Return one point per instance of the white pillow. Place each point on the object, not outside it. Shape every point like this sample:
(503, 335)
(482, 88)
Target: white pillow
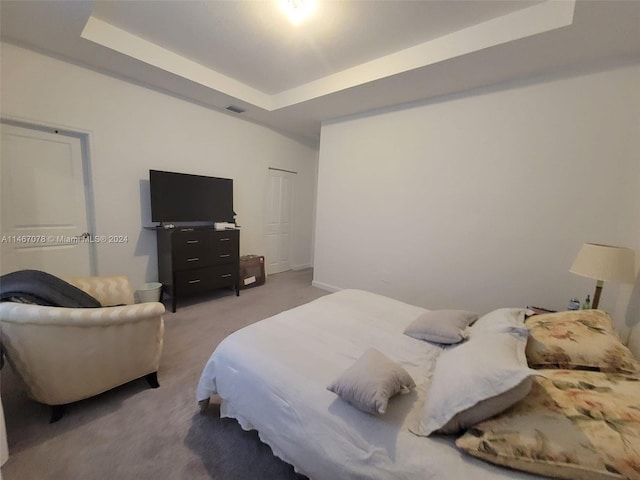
(500, 320)
(441, 326)
(371, 381)
(475, 381)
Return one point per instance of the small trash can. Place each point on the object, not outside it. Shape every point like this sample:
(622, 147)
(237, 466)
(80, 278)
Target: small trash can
(150, 292)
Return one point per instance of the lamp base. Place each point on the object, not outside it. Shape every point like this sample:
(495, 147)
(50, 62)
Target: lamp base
(596, 294)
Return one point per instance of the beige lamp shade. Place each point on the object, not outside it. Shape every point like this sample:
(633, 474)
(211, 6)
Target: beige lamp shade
(605, 262)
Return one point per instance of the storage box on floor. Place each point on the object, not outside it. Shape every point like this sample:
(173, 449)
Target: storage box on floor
(251, 271)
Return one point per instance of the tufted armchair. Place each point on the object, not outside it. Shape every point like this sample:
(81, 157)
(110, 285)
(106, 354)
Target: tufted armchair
(68, 354)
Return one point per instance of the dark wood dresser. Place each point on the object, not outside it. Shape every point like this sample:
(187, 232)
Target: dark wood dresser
(197, 260)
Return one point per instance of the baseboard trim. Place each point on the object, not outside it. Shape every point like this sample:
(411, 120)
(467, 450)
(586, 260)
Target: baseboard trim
(325, 286)
(301, 267)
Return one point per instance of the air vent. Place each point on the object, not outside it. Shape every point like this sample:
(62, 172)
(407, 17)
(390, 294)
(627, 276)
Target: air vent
(234, 109)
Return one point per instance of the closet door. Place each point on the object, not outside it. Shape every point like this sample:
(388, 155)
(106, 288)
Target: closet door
(279, 227)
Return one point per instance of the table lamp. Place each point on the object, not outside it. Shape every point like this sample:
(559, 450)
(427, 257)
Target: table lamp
(604, 263)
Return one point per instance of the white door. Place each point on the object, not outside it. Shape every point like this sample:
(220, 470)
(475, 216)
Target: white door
(278, 227)
(44, 207)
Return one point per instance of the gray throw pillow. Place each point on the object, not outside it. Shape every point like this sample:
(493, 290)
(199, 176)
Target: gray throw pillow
(441, 326)
(371, 381)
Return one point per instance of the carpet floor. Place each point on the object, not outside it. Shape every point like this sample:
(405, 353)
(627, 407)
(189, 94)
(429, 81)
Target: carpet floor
(135, 432)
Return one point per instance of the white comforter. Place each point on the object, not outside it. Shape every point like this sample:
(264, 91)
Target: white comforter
(272, 376)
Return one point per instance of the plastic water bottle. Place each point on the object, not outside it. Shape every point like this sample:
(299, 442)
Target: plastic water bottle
(574, 304)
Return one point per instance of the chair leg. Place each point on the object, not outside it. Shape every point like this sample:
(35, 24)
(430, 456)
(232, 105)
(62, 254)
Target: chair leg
(57, 412)
(152, 379)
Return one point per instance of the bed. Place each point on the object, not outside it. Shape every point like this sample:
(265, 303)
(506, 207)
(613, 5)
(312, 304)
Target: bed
(272, 377)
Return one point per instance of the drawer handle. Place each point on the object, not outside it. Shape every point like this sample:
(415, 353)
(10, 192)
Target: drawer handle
(194, 281)
(193, 241)
(226, 275)
(225, 255)
(225, 239)
(194, 259)
(186, 229)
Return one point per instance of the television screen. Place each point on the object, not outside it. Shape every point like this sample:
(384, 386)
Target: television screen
(180, 197)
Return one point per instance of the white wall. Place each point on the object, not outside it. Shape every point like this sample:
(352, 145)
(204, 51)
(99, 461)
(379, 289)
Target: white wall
(483, 200)
(133, 129)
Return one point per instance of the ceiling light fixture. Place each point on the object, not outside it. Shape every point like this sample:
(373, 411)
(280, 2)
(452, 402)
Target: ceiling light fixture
(297, 10)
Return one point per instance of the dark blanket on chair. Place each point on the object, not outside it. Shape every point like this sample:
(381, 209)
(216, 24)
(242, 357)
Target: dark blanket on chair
(41, 288)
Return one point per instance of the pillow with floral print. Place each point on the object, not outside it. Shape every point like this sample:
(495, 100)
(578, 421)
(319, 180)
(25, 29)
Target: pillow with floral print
(583, 339)
(573, 424)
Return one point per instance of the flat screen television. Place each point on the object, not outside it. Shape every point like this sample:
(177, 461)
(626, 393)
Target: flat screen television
(181, 197)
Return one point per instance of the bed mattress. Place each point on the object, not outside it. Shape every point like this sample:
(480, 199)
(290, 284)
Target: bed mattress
(272, 375)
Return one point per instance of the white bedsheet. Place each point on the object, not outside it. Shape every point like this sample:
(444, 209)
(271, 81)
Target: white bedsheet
(272, 376)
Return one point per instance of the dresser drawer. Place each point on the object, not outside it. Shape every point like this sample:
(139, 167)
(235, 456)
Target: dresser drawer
(204, 248)
(191, 248)
(196, 256)
(225, 246)
(228, 255)
(189, 240)
(203, 279)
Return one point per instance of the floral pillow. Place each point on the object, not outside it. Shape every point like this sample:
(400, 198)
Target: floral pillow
(583, 339)
(572, 424)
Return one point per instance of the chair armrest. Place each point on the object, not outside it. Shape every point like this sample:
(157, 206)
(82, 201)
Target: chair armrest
(108, 290)
(79, 317)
